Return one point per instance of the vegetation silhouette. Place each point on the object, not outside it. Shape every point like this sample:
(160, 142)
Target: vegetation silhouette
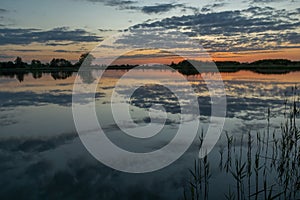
(60, 68)
(264, 165)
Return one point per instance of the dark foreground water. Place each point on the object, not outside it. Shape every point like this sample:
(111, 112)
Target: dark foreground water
(42, 157)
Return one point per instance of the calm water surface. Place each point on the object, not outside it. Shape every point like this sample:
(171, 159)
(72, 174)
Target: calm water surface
(41, 156)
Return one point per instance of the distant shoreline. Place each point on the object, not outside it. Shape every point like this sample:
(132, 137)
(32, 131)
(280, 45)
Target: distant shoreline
(267, 66)
(227, 69)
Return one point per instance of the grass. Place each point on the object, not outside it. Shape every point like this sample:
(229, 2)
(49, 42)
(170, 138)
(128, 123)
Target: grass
(267, 167)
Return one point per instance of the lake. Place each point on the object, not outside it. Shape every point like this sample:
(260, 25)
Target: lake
(42, 157)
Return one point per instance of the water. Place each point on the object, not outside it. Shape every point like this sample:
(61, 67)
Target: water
(42, 157)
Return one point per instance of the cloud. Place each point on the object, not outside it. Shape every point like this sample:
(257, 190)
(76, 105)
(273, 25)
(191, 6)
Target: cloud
(120, 4)
(160, 8)
(210, 7)
(205, 9)
(57, 35)
(107, 30)
(59, 43)
(254, 28)
(2, 10)
(146, 9)
(65, 51)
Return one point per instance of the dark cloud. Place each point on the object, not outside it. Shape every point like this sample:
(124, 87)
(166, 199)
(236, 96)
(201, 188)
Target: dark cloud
(210, 7)
(160, 8)
(218, 5)
(60, 51)
(205, 9)
(106, 30)
(120, 4)
(54, 36)
(255, 28)
(65, 51)
(2, 10)
(147, 9)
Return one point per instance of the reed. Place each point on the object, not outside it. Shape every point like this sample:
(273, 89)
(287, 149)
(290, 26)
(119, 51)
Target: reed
(199, 180)
(269, 166)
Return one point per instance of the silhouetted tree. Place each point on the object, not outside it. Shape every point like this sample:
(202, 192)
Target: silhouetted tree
(60, 62)
(36, 74)
(270, 62)
(8, 64)
(86, 59)
(61, 74)
(19, 63)
(36, 63)
(20, 76)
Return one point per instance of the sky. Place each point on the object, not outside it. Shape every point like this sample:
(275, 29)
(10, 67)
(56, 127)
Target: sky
(241, 30)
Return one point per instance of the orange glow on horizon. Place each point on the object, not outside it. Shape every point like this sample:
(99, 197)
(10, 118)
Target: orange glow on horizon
(46, 54)
(250, 56)
(291, 54)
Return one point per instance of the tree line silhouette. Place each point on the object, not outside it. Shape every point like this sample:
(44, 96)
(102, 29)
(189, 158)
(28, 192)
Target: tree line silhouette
(18, 63)
(86, 59)
(60, 68)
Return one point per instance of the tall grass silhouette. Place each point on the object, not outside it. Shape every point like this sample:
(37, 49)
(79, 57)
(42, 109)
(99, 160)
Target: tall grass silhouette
(264, 166)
